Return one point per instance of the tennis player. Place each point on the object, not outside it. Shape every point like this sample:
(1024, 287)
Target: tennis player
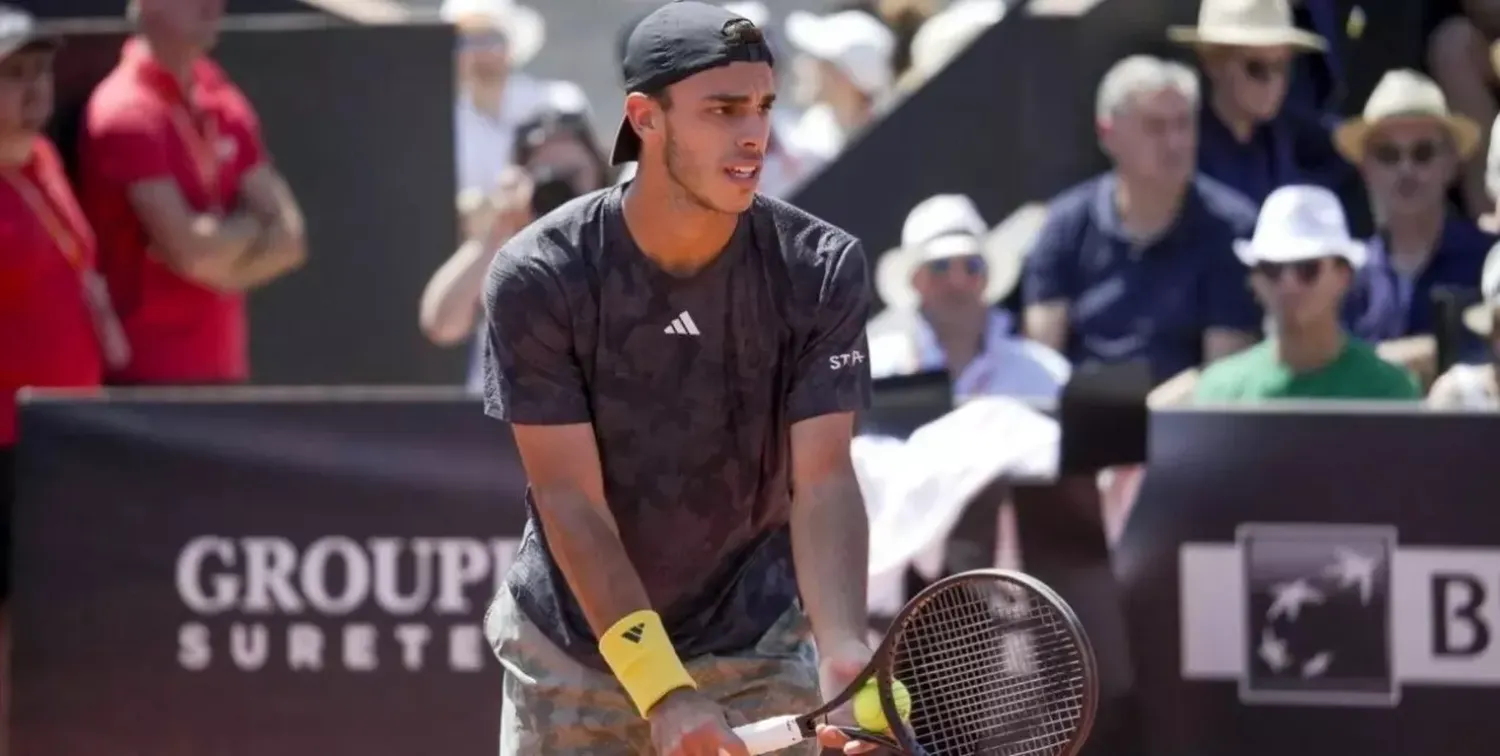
(680, 360)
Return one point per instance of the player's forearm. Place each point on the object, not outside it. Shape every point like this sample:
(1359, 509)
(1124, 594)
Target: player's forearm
(830, 545)
(586, 546)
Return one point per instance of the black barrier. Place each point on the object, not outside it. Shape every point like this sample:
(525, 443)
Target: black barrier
(1315, 581)
(300, 578)
(303, 572)
(360, 119)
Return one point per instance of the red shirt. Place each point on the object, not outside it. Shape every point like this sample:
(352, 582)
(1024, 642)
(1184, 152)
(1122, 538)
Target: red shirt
(139, 126)
(47, 335)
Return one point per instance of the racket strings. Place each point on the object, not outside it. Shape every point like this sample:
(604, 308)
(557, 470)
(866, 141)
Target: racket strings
(991, 671)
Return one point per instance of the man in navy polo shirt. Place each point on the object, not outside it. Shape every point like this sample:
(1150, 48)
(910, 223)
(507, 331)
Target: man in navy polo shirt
(1409, 148)
(1138, 263)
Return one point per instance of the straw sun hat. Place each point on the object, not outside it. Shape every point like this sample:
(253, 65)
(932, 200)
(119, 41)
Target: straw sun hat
(1247, 23)
(1405, 95)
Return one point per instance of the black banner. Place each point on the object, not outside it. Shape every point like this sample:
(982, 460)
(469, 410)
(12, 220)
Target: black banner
(1316, 582)
(296, 578)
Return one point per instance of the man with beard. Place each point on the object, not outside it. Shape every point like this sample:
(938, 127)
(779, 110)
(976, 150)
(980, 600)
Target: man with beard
(680, 361)
(1410, 148)
(1302, 261)
(190, 212)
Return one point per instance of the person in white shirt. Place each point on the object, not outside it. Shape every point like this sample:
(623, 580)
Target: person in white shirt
(846, 74)
(1476, 387)
(496, 38)
(940, 289)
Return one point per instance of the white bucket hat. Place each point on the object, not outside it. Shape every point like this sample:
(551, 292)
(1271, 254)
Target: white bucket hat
(945, 35)
(858, 43)
(525, 31)
(1247, 23)
(1405, 94)
(754, 12)
(1300, 223)
(1480, 318)
(947, 226)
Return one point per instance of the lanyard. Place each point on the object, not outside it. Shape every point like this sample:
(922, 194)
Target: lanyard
(62, 235)
(202, 147)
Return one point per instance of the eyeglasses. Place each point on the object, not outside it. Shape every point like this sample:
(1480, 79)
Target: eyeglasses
(1305, 271)
(1264, 69)
(972, 265)
(1390, 154)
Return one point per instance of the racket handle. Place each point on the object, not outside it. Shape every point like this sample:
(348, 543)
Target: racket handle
(769, 735)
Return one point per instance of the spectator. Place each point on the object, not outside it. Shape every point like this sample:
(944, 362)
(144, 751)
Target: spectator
(1303, 261)
(1136, 263)
(1458, 55)
(945, 35)
(905, 18)
(940, 290)
(495, 39)
(554, 158)
(1246, 50)
(845, 73)
(1409, 149)
(1476, 387)
(189, 211)
(56, 324)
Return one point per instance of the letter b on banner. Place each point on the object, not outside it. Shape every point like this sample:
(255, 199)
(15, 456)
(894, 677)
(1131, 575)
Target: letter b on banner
(1458, 629)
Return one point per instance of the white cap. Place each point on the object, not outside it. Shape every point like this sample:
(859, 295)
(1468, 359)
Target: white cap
(754, 12)
(1300, 223)
(858, 43)
(947, 225)
(950, 32)
(525, 31)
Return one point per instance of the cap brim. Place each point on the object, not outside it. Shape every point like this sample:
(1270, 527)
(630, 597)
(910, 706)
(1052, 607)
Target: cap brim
(627, 145)
(1353, 251)
(32, 42)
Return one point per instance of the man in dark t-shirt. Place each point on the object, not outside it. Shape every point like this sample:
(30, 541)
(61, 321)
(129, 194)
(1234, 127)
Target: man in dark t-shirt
(680, 360)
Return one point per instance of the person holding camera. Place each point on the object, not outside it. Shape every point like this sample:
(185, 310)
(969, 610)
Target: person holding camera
(555, 158)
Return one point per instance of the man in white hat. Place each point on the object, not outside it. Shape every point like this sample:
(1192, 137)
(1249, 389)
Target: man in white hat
(1477, 386)
(1303, 261)
(847, 69)
(1246, 49)
(1136, 264)
(1409, 149)
(940, 288)
(495, 39)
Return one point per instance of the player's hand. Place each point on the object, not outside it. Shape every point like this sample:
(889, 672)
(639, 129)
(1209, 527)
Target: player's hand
(837, 668)
(686, 723)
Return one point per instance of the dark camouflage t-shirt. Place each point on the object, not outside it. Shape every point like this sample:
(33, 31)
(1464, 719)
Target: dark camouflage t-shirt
(692, 385)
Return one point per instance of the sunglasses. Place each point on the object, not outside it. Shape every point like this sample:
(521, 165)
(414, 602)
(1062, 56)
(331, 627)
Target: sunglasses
(1304, 271)
(971, 265)
(1263, 70)
(1391, 154)
(485, 40)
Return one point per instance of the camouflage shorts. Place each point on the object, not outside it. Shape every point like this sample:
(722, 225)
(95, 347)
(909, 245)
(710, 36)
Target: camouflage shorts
(555, 706)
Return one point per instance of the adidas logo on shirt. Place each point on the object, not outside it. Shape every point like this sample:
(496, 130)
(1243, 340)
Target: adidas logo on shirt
(682, 325)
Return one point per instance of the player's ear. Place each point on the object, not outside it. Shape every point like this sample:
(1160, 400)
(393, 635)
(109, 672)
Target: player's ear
(643, 112)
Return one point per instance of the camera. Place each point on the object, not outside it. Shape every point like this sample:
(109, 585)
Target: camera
(550, 190)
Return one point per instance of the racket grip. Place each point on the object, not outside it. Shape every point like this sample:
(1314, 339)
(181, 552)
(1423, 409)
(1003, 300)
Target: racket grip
(769, 735)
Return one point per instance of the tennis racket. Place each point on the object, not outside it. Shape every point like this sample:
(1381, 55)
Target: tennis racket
(994, 662)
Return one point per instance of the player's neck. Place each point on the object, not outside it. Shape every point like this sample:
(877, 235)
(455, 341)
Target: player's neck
(677, 234)
(16, 148)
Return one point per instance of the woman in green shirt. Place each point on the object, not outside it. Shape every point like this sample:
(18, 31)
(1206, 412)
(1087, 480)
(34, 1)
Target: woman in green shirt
(1302, 261)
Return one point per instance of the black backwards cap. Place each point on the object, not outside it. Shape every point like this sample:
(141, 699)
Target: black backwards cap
(678, 40)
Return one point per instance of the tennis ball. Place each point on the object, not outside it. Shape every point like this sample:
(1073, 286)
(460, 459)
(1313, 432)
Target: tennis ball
(867, 711)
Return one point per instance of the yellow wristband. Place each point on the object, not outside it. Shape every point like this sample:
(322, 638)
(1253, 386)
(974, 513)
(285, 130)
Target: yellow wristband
(640, 654)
